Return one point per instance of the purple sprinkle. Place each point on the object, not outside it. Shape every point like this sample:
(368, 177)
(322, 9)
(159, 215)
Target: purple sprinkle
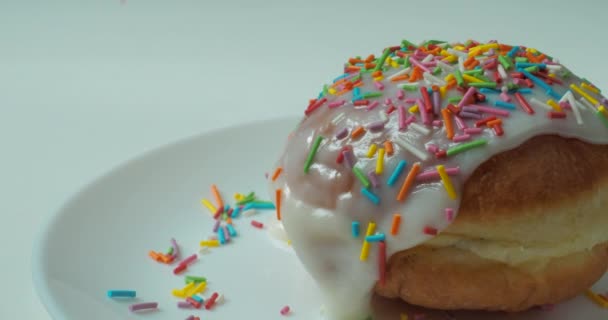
(460, 123)
(216, 225)
(226, 233)
(473, 130)
(184, 305)
(425, 116)
(432, 174)
(604, 101)
(495, 111)
(373, 178)
(376, 126)
(467, 96)
(372, 105)
(379, 85)
(436, 102)
(449, 214)
(349, 158)
(470, 109)
(437, 123)
(432, 148)
(409, 120)
(461, 137)
(400, 94)
(505, 97)
(401, 112)
(464, 114)
(175, 254)
(190, 317)
(336, 104)
(143, 306)
(342, 134)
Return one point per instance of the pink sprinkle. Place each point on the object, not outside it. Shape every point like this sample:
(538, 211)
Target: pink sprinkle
(430, 231)
(431, 148)
(420, 65)
(437, 123)
(473, 130)
(425, 116)
(372, 105)
(379, 85)
(470, 115)
(519, 82)
(432, 174)
(400, 94)
(184, 305)
(188, 260)
(409, 120)
(143, 306)
(505, 97)
(226, 233)
(460, 123)
(336, 104)
(342, 134)
(461, 137)
(285, 310)
(410, 100)
(495, 111)
(401, 112)
(216, 226)
(388, 101)
(449, 214)
(467, 96)
(257, 224)
(565, 105)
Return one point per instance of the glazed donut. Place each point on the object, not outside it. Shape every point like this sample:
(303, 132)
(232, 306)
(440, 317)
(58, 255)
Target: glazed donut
(452, 175)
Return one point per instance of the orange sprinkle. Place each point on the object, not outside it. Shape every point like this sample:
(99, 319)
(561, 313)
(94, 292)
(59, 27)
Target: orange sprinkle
(370, 65)
(388, 146)
(504, 47)
(353, 69)
(396, 224)
(277, 173)
(469, 60)
(278, 202)
(451, 84)
(154, 255)
(229, 220)
(165, 259)
(472, 65)
(370, 58)
(358, 83)
(400, 78)
(493, 122)
(447, 122)
(409, 180)
(359, 131)
(354, 60)
(217, 196)
(376, 73)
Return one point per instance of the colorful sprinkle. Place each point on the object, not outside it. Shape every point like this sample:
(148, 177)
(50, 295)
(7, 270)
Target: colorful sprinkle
(466, 146)
(371, 228)
(447, 182)
(313, 152)
(371, 196)
(355, 229)
(121, 293)
(409, 180)
(285, 310)
(395, 224)
(143, 306)
(396, 173)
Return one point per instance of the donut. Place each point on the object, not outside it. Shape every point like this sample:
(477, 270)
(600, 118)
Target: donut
(450, 175)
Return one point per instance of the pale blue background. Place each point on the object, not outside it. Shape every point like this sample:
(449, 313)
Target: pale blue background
(85, 85)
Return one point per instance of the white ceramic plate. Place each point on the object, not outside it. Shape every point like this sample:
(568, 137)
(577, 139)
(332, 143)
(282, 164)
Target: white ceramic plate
(100, 239)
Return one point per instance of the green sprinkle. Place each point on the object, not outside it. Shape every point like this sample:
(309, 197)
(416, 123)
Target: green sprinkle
(406, 44)
(170, 251)
(466, 146)
(565, 74)
(194, 279)
(512, 86)
(453, 100)
(364, 181)
(325, 90)
(313, 151)
(532, 69)
(436, 71)
(505, 61)
(248, 198)
(491, 85)
(484, 78)
(372, 95)
(521, 59)
(399, 60)
(409, 87)
(601, 116)
(382, 59)
(406, 63)
(474, 72)
(458, 76)
(435, 42)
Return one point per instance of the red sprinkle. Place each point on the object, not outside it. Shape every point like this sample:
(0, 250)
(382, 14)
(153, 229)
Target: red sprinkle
(498, 130)
(441, 154)
(453, 109)
(427, 99)
(314, 106)
(285, 310)
(483, 121)
(211, 301)
(180, 268)
(390, 109)
(382, 262)
(523, 103)
(361, 102)
(218, 212)
(556, 115)
(193, 302)
(257, 224)
(430, 231)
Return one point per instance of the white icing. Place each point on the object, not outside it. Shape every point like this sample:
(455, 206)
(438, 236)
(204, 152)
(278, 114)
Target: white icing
(318, 207)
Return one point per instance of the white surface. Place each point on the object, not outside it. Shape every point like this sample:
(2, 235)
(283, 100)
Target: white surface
(99, 240)
(85, 86)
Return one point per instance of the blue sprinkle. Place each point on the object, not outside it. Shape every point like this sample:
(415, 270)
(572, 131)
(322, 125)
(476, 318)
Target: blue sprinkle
(220, 236)
(524, 90)
(504, 105)
(372, 197)
(236, 211)
(121, 294)
(488, 90)
(375, 238)
(257, 205)
(231, 230)
(356, 94)
(355, 229)
(554, 94)
(197, 298)
(226, 207)
(513, 51)
(536, 80)
(529, 64)
(395, 175)
(341, 77)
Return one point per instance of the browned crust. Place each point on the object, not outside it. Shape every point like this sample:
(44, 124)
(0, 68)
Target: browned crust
(513, 191)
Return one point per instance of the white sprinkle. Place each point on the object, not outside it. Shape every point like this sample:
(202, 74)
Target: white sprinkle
(249, 213)
(396, 74)
(338, 118)
(554, 67)
(421, 129)
(458, 53)
(587, 104)
(444, 66)
(502, 72)
(461, 64)
(427, 58)
(220, 298)
(415, 151)
(383, 116)
(575, 107)
(540, 104)
(432, 79)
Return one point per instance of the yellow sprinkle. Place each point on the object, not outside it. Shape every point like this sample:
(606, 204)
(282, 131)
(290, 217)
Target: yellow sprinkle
(209, 206)
(474, 52)
(590, 88)
(552, 75)
(532, 50)
(196, 290)
(210, 243)
(554, 105)
(603, 110)
(395, 65)
(584, 94)
(449, 77)
(442, 91)
(470, 78)
(447, 183)
(413, 109)
(596, 298)
(371, 227)
(380, 161)
(379, 78)
(372, 150)
(403, 316)
(459, 48)
(238, 196)
(444, 53)
(332, 91)
(181, 293)
(451, 58)
(389, 60)
(289, 242)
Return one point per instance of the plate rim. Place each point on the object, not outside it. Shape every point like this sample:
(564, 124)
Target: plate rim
(38, 272)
